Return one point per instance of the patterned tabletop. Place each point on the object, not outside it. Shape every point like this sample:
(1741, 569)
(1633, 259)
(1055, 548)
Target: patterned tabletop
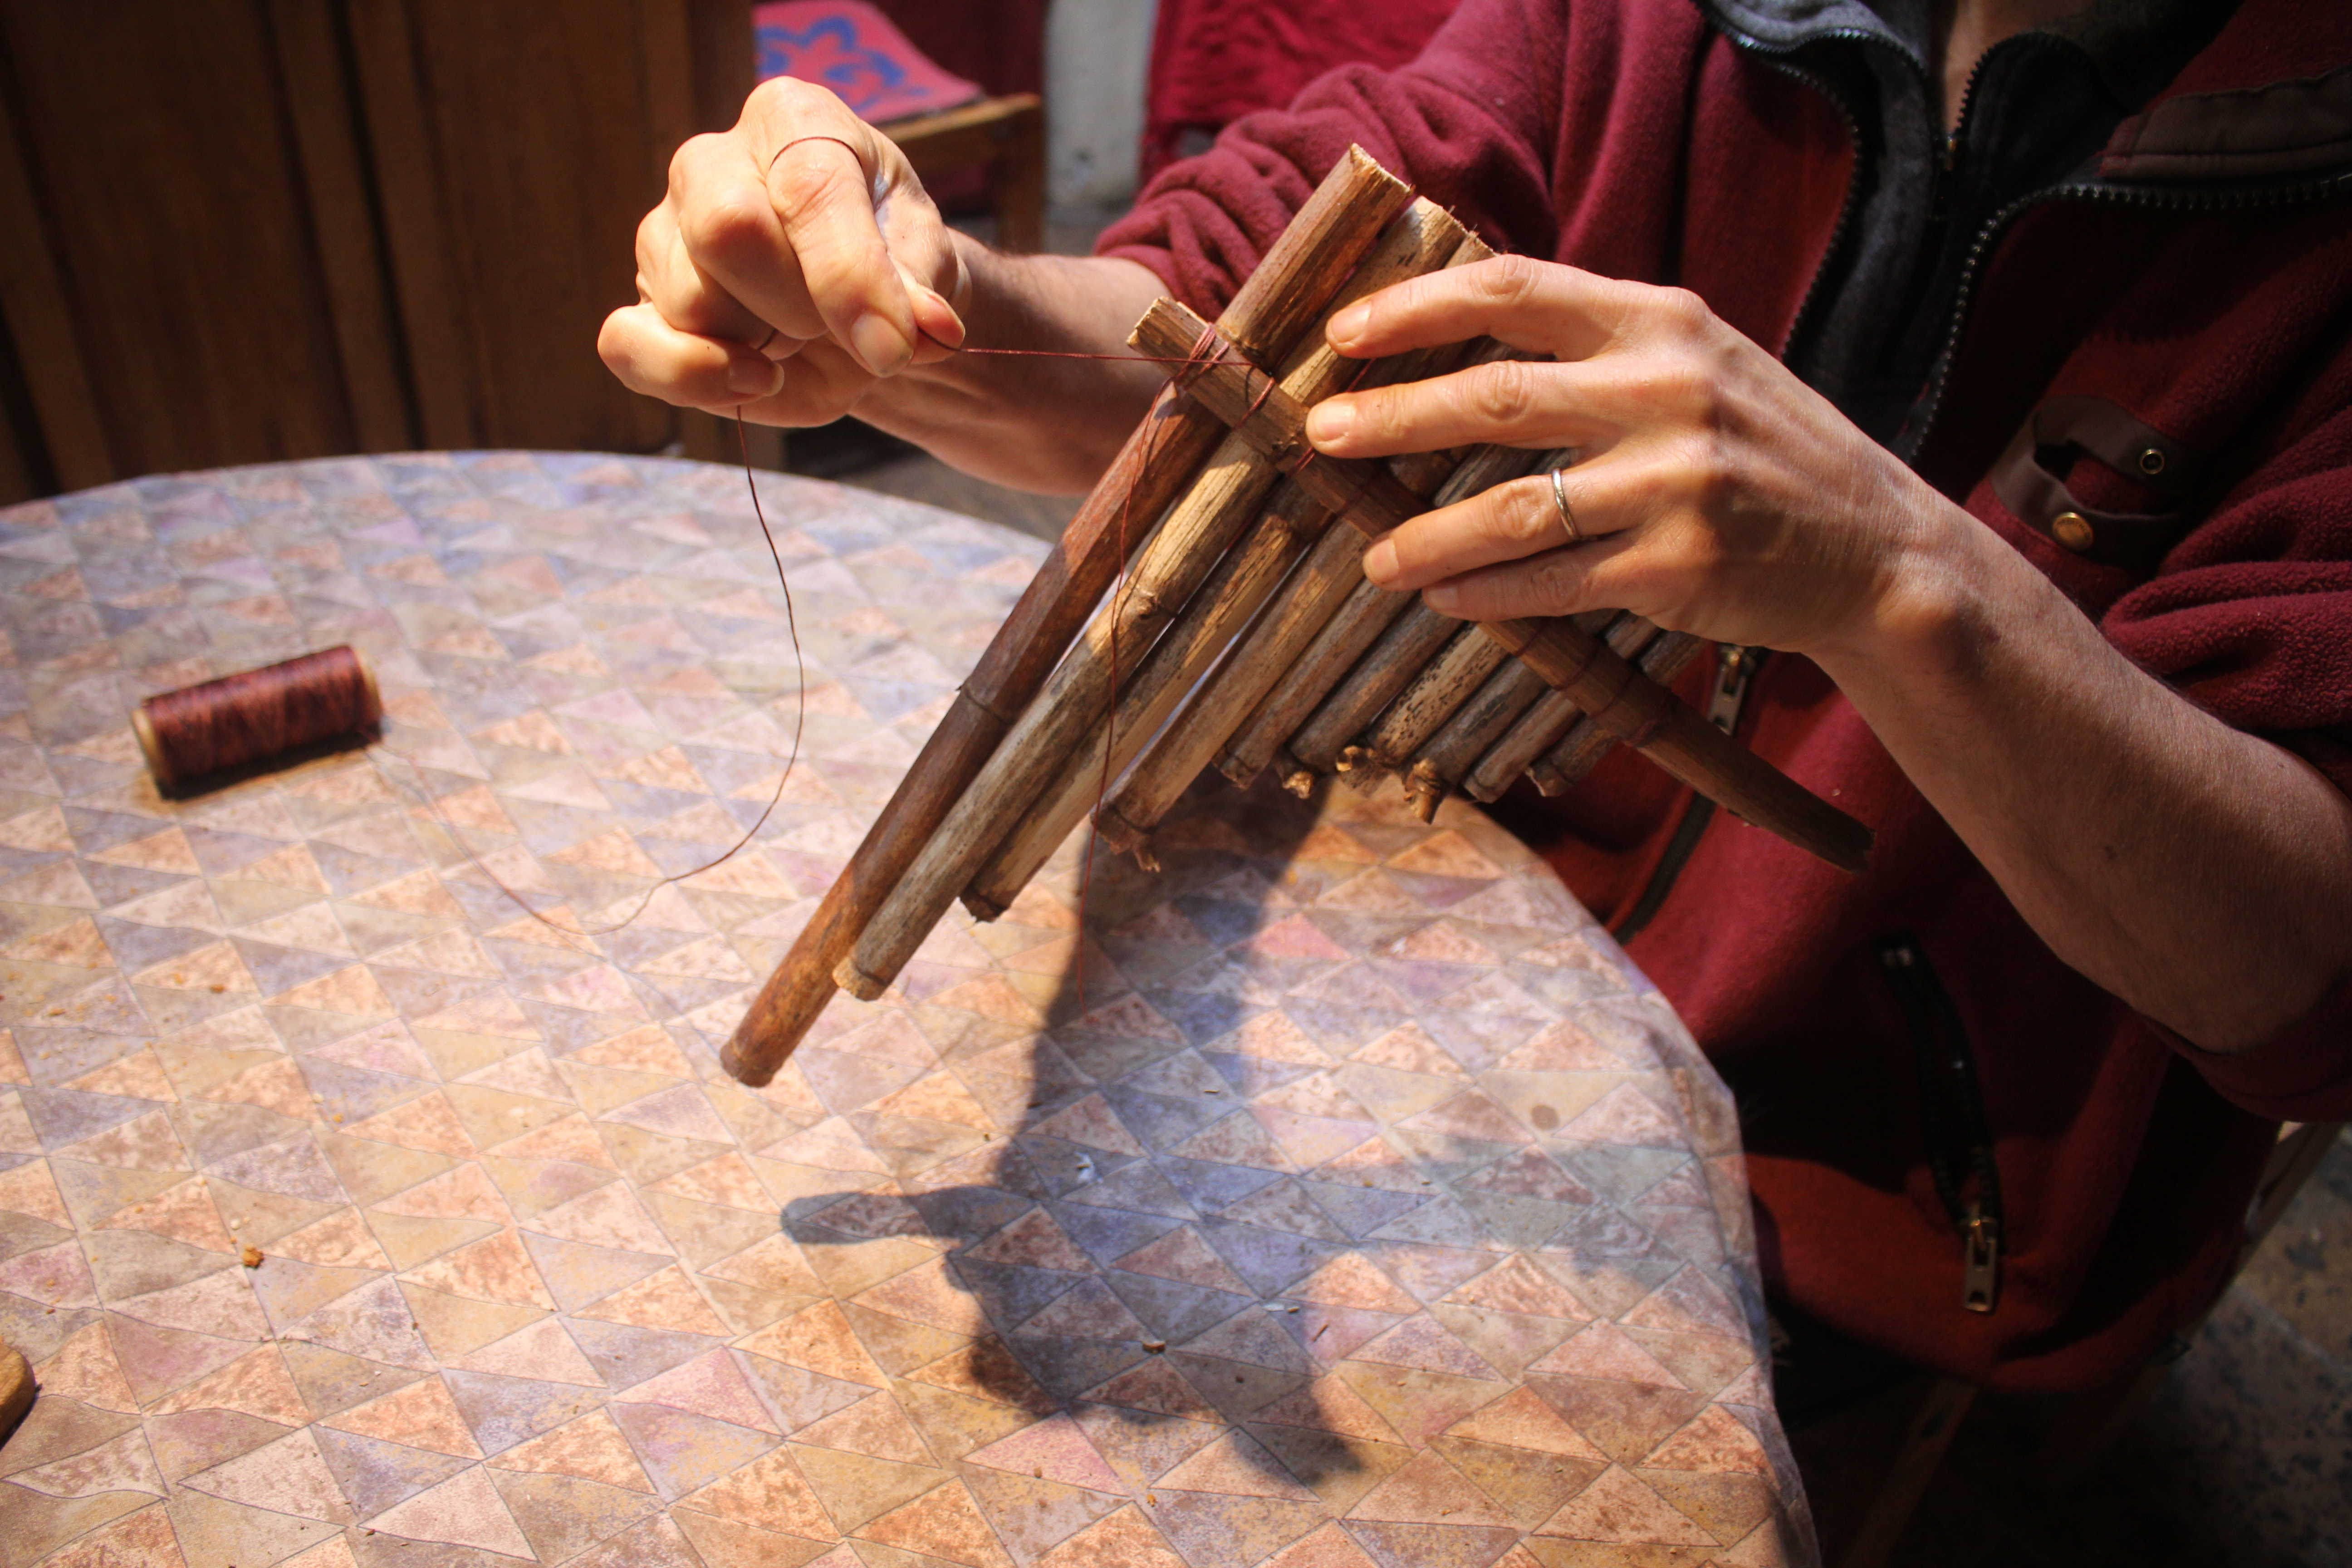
(1351, 1202)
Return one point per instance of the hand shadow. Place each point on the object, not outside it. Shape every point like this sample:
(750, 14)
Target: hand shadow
(1090, 1255)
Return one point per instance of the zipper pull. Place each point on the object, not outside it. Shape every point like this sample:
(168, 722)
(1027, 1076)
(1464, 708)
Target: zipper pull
(1738, 668)
(1980, 1261)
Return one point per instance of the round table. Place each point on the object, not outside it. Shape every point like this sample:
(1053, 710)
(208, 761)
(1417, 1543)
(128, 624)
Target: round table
(1339, 1196)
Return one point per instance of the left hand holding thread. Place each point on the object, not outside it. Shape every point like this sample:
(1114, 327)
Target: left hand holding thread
(1719, 495)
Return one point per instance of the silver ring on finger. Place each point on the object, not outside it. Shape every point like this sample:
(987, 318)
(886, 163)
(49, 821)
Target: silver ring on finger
(1560, 499)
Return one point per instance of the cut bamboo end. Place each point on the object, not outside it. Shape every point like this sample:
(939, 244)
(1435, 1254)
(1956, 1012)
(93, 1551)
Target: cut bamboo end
(745, 1062)
(857, 983)
(1351, 758)
(1122, 837)
(1424, 791)
(1300, 782)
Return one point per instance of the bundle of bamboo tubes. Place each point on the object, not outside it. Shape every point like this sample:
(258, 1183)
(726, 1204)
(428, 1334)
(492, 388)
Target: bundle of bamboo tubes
(1244, 634)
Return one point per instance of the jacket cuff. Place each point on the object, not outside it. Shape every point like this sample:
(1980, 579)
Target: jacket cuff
(2302, 1073)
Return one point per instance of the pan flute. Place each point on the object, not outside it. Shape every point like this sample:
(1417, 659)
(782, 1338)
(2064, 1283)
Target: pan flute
(1243, 634)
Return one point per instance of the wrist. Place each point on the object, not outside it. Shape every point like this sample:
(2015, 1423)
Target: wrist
(1931, 609)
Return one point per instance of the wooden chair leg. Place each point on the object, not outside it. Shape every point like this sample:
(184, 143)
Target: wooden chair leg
(1020, 182)
(1916, 1462)
(2300, 1149)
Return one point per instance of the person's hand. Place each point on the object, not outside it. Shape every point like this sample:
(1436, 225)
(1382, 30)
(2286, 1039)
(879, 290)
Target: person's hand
(794, 261)
(1718, 494)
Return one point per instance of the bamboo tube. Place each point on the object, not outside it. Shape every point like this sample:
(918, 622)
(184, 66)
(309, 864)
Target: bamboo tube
(1436, 696)
(1332, 232)
(1449, 755)
(1042, 743)
(1240, 581)
(1313, 649)
(1551, 718)
(1390, 665)
(1617, 695)
(1237, 587)
(1305, 602)
(1581, 750)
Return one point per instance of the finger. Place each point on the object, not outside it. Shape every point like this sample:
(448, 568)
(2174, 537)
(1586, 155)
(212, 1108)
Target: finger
(1508, 523)
(1607, 496)
(929, 263)
(1529, 304)
(939, 331)
(820, 384)
(728, 245)
(1557, 582)
(651, 356)
(824, 193)
(687, 298)
(1513, 403)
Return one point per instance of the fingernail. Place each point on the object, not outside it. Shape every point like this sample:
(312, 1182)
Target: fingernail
(754, 377)
(1380, 562)
(880, 346)
(1329, 422)
(1442, 598)
(1350, 324)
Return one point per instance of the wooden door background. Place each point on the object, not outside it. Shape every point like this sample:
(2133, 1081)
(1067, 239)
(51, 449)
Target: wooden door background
(238, 231)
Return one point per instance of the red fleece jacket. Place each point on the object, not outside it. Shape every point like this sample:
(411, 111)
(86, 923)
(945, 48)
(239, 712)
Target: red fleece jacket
(2195, 297)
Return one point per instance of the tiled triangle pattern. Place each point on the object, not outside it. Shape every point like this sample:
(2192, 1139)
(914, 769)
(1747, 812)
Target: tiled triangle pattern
(1362, 1209)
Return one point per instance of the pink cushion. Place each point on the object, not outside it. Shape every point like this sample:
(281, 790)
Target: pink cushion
(853, 50)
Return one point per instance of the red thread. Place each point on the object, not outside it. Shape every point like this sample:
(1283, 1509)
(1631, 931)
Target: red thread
(800, 722)
(256, 715)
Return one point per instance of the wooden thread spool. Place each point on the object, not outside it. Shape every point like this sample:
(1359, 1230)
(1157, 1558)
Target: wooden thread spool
(256, 714)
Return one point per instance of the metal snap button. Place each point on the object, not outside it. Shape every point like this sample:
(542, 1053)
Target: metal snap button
(2072, 529)
(2151, 462)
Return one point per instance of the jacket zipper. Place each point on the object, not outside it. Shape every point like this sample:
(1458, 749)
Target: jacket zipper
(1958, 1135)
(2225, 200)
(1736, 669)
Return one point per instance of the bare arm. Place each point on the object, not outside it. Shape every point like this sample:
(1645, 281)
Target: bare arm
(1035, 424)
(2199, 873)
(797, 271)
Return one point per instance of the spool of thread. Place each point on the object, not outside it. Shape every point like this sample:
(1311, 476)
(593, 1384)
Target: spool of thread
(258, 714)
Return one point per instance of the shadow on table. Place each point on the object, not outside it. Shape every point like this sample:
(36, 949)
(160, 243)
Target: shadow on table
(1160, 1285)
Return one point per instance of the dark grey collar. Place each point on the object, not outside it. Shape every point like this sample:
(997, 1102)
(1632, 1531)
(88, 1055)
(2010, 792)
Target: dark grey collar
(2136, 46)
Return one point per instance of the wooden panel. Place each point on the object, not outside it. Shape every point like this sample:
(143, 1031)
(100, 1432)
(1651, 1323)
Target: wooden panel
(56, 409)
(720, 35)
(415, 224)
(154, 144)
(322, 109)
(23, 460)
(537, 120)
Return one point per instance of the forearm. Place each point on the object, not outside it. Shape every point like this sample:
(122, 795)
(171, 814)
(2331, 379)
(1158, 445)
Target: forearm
(1035, 424)
(2199, 873)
